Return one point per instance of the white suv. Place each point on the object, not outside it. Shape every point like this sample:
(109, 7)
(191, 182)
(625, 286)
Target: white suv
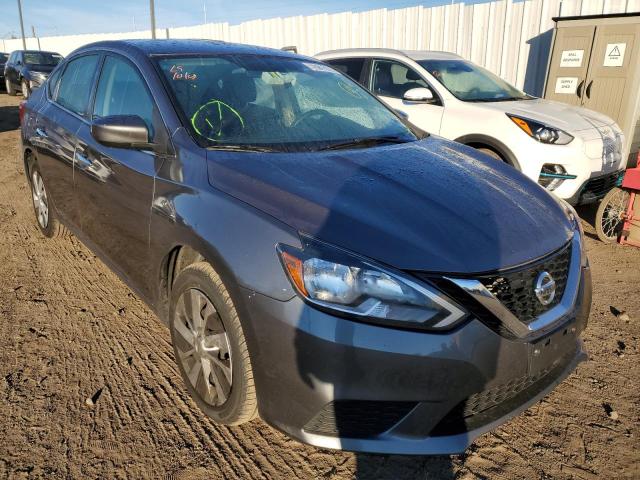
(574, 152)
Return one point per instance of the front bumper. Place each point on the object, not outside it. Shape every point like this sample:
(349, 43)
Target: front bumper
(335, 383)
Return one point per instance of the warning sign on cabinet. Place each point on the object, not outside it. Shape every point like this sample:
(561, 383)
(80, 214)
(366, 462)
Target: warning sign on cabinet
(567, 85)
(571, 58)
(614, 54)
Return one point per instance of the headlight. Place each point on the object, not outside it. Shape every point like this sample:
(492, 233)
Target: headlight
(541, 132)
(334, 280)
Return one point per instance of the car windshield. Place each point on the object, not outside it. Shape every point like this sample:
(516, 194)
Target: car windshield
(41, 58)
(4, 57)
(277, 104)
(471, 83)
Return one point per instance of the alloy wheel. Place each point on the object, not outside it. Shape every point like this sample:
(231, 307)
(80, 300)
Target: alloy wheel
(40, 201)
(202, 347)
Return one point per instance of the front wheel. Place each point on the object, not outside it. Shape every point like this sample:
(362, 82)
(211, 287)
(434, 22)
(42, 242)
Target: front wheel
(610, 215)
(25, 88)
(210, 347)
(10, 90)
(492, 153)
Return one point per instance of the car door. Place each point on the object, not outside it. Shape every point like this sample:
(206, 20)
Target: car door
(114, 186)
(57, 123)
(390, 80)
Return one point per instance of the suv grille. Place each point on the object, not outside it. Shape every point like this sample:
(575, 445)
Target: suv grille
(598, 187)
(516, 290)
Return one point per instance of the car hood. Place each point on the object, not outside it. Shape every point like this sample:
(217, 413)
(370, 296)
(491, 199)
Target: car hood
(555, 114)
(431, 205)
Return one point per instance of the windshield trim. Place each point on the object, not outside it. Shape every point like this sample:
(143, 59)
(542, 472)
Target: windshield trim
(185, 123)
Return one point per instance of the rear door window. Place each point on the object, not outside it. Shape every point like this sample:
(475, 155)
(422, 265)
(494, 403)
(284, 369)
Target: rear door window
(76, 84)
(122, 91)
(349, 66)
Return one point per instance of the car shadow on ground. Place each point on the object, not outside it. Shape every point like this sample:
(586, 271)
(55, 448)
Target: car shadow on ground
(403, 467)
(9, 119)
(588, 214)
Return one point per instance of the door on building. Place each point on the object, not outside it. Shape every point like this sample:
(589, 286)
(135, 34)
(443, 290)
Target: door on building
(569, 64)
(610, 77)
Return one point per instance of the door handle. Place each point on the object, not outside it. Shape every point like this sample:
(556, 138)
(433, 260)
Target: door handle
(579, 89)
(588, 90)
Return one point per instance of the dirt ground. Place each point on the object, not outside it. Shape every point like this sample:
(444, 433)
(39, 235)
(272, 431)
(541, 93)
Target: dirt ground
(89, 388)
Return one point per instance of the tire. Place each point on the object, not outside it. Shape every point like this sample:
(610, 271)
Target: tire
(491, 153)
(211, 341)
(24, 86)
(10, 89)
(43, 208)
(609, 217)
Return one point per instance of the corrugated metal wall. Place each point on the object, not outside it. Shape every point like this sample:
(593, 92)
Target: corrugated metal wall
(512, 39)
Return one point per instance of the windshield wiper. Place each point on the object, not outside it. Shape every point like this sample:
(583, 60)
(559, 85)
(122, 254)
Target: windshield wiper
(361, 142)
(243, 148)
(500, 99)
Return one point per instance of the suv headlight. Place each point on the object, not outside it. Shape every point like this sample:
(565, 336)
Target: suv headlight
(541, 132)
(332, 279)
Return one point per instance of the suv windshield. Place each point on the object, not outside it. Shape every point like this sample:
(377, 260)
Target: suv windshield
(471, 83)
(277, 103)
(41, 58)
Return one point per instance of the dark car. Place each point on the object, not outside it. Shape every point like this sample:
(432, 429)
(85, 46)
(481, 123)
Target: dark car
(3, 60)
(358, 283)
(28, 69)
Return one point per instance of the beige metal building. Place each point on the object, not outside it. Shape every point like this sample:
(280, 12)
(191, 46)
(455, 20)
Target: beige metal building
(595, 63)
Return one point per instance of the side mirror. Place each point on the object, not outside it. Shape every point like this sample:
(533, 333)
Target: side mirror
(122, 131)
(420, 94)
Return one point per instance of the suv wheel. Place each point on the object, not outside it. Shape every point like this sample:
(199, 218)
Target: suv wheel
(210, 347)
(10, 90)
(24, 85)
(43, 208)
(491, 153)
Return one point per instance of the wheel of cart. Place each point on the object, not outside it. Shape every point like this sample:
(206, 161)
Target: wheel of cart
(610, 215)
(618, 216)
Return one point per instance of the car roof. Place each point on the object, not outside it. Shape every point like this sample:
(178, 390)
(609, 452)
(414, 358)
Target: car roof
(35, 51)
(412, 54)
(185, 47)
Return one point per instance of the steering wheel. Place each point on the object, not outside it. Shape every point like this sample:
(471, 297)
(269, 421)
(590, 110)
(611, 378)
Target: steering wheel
(315, 113)
(215, 120)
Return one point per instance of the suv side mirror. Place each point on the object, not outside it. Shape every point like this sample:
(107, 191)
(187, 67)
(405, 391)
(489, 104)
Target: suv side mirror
(122, 131)
(421, 94)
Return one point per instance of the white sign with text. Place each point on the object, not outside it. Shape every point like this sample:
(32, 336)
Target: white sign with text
(567, 85)
(571, 58)
(614, 54)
